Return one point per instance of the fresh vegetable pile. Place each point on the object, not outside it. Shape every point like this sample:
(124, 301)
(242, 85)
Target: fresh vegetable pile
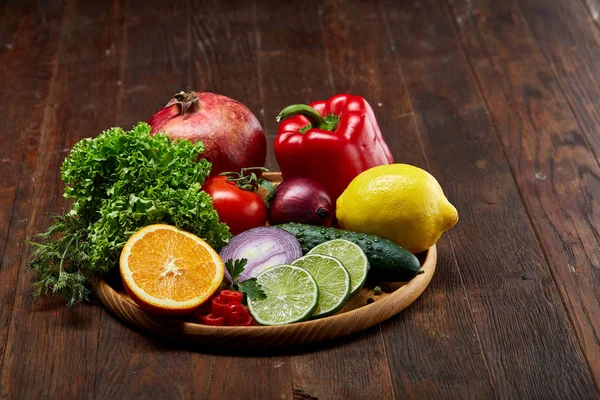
(186, 228)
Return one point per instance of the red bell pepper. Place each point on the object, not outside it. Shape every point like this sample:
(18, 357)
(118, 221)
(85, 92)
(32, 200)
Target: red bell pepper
(330, 141)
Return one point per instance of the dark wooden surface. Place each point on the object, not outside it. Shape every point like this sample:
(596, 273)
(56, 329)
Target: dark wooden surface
(500, 100)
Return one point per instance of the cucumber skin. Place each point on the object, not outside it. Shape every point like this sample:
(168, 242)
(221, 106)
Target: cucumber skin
(389, 262)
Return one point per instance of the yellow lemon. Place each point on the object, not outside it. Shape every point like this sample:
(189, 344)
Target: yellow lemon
(399, 202)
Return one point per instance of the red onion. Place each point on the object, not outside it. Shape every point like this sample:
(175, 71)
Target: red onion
(232, 136)
(300, 200)
(263, 247)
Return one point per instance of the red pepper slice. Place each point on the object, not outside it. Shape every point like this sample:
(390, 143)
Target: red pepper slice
(238, 315)
(212, 320)
(218, 307)
(204, 309)
(231, 296)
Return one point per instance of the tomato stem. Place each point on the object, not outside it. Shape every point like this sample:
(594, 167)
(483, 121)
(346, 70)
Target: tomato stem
(248, 182)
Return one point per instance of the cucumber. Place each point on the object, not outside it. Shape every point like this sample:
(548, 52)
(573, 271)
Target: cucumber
(389, 262)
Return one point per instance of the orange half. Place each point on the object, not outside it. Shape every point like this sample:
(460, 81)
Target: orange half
(169, 271)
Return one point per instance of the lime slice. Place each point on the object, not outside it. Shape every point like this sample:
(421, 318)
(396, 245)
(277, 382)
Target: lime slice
(291, 293)
(332, 279)
(352, 258)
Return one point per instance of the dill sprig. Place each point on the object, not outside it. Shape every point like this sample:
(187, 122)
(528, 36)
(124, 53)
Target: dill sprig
(60, 259)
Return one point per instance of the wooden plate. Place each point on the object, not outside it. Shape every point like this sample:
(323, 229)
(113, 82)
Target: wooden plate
(356, 315)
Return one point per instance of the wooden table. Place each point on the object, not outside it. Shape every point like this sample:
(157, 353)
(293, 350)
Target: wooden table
(500, 100)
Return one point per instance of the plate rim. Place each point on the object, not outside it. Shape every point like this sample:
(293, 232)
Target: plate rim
(316, 330)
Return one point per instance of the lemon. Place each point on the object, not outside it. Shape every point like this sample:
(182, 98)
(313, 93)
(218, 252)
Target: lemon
(399, 202)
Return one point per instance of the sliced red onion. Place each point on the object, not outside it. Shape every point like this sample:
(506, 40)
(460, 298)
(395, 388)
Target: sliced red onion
(263, 247)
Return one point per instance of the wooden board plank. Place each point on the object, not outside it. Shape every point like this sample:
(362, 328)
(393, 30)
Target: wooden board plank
(291, 58)
(358, 46)
(593, 7)
(224, 43)
(10, 159)
(253, 376)
(294, 68)
(570, 41)
(27, 66)
(4, 10)
(49, 347)
(154, 66)
(547, 153)
(355, 366)
(516, 305)
(157, 58)
(224, 59)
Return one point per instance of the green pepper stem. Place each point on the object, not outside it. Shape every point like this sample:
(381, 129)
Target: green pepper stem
(313, 116)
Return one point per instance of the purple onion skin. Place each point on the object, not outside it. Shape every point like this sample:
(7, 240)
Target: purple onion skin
(300, 200)
(284, 248)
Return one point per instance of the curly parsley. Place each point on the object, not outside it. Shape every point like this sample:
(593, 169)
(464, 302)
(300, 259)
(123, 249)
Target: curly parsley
(120, 182)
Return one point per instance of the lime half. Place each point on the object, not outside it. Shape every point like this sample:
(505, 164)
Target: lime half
(352, 258)
(332, 279)
(292, 295)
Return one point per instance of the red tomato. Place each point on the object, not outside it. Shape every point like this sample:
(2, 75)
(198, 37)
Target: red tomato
(238, 208)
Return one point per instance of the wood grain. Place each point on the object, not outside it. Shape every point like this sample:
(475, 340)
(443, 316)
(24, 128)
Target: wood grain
(224, 45)
(294, 67)
(292, 61)
(26, 75)
(76, 107)
(593, 7)
(153, 66)
(365, 62)
(224, 59)
(516, 305)
(235, 376)
(569, 39)
(553, 164)
(3, 21)
(288, 77)
(498, 99)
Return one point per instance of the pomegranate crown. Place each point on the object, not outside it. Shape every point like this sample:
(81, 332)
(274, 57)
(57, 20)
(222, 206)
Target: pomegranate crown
(184, 100)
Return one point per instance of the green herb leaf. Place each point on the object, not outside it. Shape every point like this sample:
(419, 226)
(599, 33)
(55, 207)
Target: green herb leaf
(252, 289)
(249, 286)
(235, 268)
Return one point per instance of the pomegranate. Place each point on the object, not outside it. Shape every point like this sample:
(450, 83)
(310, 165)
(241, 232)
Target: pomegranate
(232, 136)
